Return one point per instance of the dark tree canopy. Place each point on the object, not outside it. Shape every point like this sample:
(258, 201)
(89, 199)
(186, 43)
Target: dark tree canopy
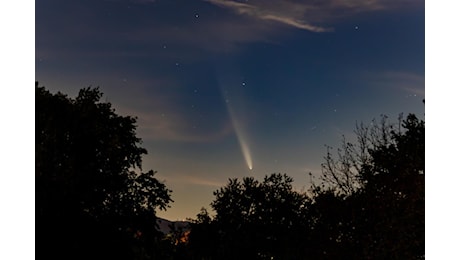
(91, 192)
(370, 205)
(254, 220)
(94, 201)
(377, 185)
(272, 201)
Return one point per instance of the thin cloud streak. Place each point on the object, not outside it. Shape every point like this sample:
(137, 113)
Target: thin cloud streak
(174, 126)
(204, 182)
(304, 14)
(191, 179)
(409, 82)
(295, 23)
(259, 13)
(162, 114)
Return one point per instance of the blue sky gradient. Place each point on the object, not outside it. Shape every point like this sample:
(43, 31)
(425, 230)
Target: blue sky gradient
(291, 76)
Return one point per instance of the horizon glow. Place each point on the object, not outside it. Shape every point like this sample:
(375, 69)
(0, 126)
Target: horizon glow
(200, 77)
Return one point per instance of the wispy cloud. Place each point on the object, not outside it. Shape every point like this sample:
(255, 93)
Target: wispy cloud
(264, 13)
(175, 127)
(162, 117)
(411, 83)
(308, 14)
(204, 181)
(195, 178)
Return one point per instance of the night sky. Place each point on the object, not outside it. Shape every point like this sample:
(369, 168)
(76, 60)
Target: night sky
(227, 89)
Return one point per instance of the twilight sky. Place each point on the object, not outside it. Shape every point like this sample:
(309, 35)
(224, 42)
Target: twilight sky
(223, 86)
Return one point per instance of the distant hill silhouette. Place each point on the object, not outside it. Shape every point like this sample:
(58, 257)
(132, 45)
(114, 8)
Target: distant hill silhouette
(166, 226)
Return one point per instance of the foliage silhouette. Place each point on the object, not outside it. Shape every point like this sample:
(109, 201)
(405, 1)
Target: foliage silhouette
(382, 215)
(94, 201)
(370, 205)
(92, 197)
(254, 220)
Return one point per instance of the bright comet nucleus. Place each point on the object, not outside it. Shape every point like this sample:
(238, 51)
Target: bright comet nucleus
(245, 149)
(230, 97)
(241, 138)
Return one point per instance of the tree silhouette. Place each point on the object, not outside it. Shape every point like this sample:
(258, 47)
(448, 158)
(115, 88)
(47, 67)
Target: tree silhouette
(369, 206)
(377, 187)
(254, 220)
(92, 197)
(202, 240)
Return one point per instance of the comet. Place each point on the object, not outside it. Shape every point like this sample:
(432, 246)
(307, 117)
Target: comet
(241, 138)
(245, 150)
(236, 96)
